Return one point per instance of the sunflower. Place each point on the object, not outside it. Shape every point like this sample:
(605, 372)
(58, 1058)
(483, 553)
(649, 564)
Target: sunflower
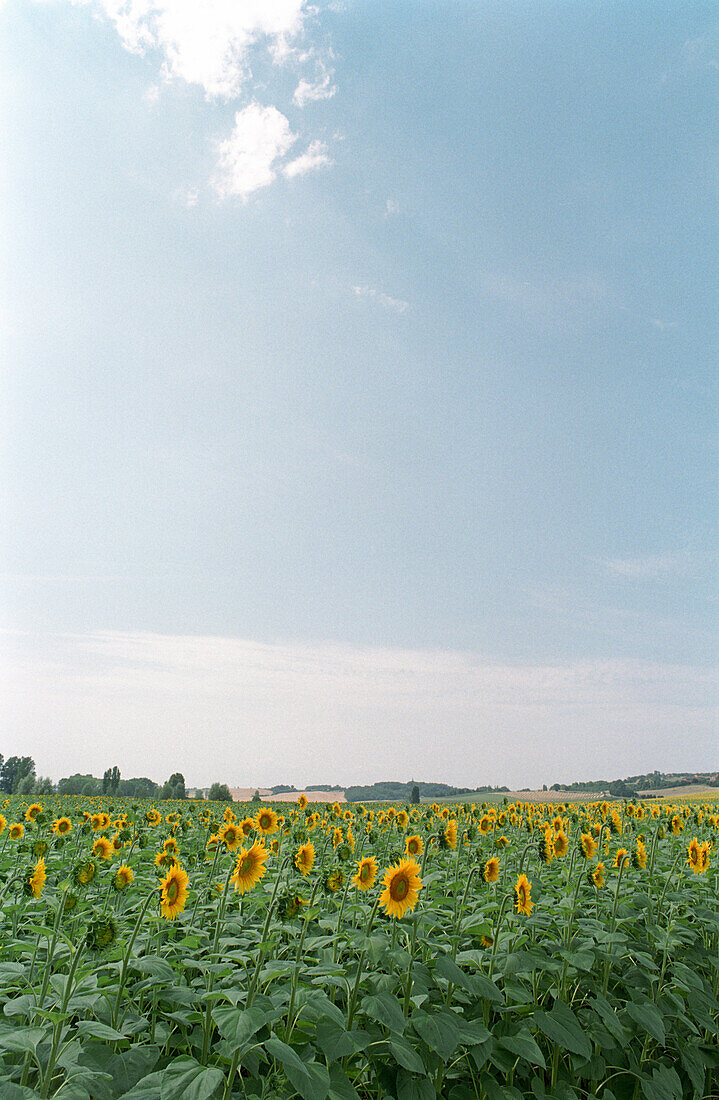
(523, 890)
(560, 844)
(123, 877)
(450, 833)
(36, 880)
(103, 848)
(596, 876)
(485, 824)
(32, 811)
(170, 845)
(588, 846)
(305, 858)
(302, 801)
(101, 934)
(16, 830)
(696, 853)
(247, 826)
(333, 880)
(3, 822)
(366, 873)
(62, 826)
(639, 858)
(84, 873)
(491, 870)
(414, 846)
(621, 859)
(266, 821)
(336, 837)
(289, 906)
(250, 867)
(173, 892)
(402, 885)
(153, 817)
(231, 835)
(402, 819)
(676, 824)
(165, 859)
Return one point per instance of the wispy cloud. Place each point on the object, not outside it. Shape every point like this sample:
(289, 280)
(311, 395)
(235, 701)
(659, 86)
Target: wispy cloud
(647, 567)
(310, 91)
(314, 157)
(281, 711)
(373, 293)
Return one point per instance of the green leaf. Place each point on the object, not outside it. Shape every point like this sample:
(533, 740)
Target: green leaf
(405, 1055)
(386, 1010)
(155, 967)
(440, 1031)
(310, 1079)
(238, 1025)
(23, 1040)
(186, 1079)
(648, 1016)
(694, 1067)
(561, 1026)
(335, 1042)
(95, 1030)
(665, 1084)
(447, 968)
(147, 1088)
(524, 1046)
(411, 1087)
(341, 1088)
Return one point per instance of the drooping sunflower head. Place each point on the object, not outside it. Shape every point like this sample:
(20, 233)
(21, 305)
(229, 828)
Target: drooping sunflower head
(3, 822)
(123, 877)
(621, 859)
(336, 836)
(153, 817)
(173, 892)
(450, 833)
(639, 855)
(366, 874)
(677, 824)
(101, 934)
(402, 884)
(588, 846)
(103, 848)
(84, 872)
(289, 906)
(35, 880)
(414, 846)
(596, 876)
(545, 848)
(560, 844)
(491, 869)
(250, 867)
(305, 858)
(523, 891)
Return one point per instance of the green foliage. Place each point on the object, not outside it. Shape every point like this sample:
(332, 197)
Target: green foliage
(219, 792)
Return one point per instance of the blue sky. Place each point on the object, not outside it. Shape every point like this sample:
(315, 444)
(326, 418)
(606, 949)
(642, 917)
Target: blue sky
(356, 338)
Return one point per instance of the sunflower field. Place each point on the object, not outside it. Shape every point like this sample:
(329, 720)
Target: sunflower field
(202, 951)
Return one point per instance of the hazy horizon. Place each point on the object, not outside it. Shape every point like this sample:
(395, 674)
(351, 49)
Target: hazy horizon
(360, 396)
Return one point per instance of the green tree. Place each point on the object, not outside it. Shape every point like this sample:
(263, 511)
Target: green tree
(256, 797)
(175, 787)
(14, 770)
(219, 792)
(414, 796)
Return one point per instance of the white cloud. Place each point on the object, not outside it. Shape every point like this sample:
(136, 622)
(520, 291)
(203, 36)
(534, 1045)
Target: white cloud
(314, 157)
(311, 712)
(651, 565)
(309, 92)
(247, 159)
(376, 295)
(205, 42)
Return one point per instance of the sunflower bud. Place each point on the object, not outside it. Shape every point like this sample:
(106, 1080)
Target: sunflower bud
(101, 934)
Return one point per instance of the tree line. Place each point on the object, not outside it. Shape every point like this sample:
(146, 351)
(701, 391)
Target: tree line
(18, 776)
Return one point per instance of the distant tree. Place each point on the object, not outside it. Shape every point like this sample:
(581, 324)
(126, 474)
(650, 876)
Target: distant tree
(26, 785)
(141, 787)
(414, 796)
(75, 784)
(43, 787)
(256, 797)
(175, 787)
(219, 792)
(199, 796)
(14, 770)
(89, 788)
